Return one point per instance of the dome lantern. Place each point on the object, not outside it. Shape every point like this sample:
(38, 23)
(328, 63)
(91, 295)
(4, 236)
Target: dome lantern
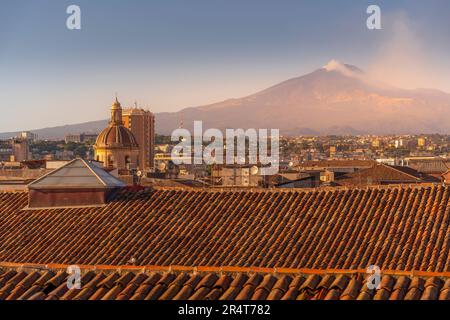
(116, 112)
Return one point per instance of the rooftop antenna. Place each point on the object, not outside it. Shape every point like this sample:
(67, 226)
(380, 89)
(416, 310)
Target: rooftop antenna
(135, 104)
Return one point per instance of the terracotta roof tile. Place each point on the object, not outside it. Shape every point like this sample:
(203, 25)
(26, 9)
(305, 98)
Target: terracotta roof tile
(396, 228)
(142, 291)
(30, 285)
(280, 288)
(432, 289)
(249, 287)
(264, 288)
(352, 289)
(160, 287)
(22, 286)
(400, 288)
(38, 296)
(415, 289)
(89, 289)
(204, 287)
(445, 291)
(219, 287)
(127, 293)
(235, 287)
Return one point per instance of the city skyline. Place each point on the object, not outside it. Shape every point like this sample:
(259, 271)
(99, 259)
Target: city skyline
(211, 153)
(169, 57)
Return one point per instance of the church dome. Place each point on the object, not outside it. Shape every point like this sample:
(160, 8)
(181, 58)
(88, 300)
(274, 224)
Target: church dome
(116, 135)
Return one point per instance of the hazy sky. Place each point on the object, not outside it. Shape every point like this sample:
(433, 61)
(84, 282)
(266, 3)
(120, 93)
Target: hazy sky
(171, 54)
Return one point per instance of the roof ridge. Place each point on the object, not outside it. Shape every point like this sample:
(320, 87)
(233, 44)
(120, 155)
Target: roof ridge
(403, 172)
(305, 190)
(198, 269)
(274, 190)
(93, 171)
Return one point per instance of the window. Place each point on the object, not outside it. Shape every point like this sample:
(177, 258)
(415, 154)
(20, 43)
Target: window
(110, 161)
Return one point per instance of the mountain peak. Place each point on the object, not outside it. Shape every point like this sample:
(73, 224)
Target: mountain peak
(345, 69)
(334, 65)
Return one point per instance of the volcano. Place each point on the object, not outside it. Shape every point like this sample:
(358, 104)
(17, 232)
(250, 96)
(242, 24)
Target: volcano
(335, 99)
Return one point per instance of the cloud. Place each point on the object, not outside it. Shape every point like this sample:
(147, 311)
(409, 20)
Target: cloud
(403, 58)
(335, 65)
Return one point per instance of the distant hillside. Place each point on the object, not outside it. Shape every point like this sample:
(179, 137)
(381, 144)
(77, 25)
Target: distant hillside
(61, 131)
(335, 99)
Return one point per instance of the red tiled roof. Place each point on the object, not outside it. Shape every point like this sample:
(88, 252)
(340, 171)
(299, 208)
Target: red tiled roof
(337, 163)
(395, 228)
(43, 283)
(384, 174)
(436, 166)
